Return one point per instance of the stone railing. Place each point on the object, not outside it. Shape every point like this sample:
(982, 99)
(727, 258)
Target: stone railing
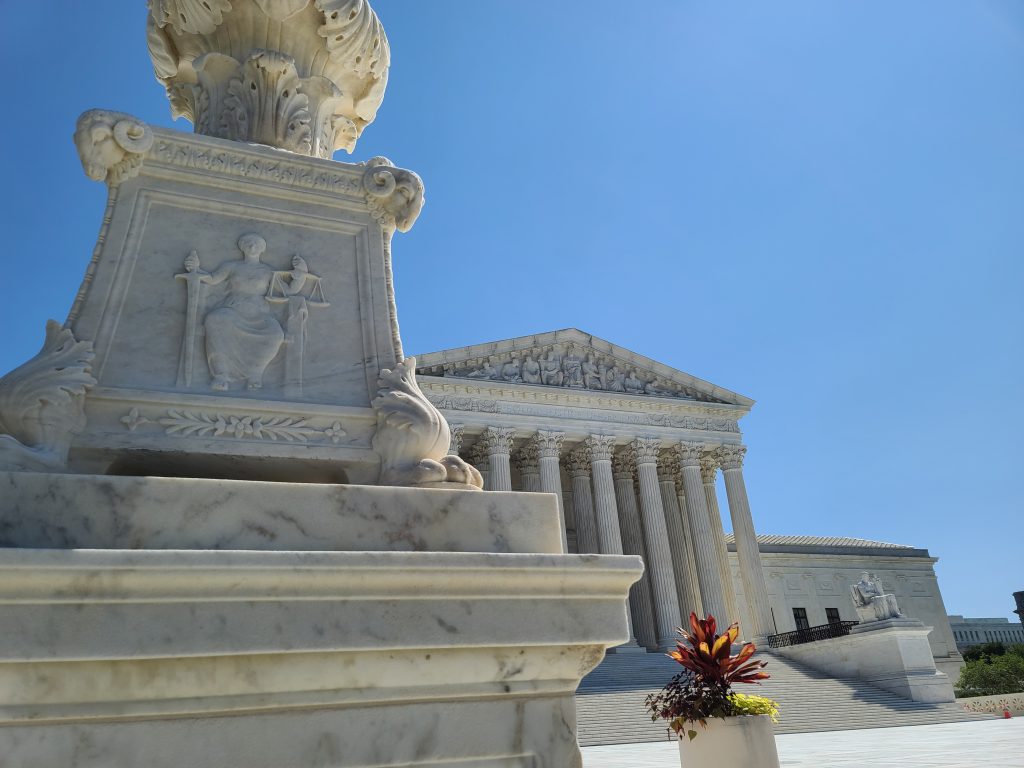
(994, 704)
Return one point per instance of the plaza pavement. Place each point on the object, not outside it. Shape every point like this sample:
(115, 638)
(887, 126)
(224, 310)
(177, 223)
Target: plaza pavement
(991, 743)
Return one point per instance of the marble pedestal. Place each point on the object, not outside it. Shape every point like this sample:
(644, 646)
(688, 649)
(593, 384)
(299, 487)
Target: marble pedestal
(163, 648)
(893, 654)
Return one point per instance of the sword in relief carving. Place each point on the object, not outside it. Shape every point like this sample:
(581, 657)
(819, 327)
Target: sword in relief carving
(193, 278)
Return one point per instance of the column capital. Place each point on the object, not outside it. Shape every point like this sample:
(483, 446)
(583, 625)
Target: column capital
(549, 444)
(645, 450)
(731, 456)
(689, 454)
(498, 440)
(601, 447)
(708, 467)
(455, 442)
(478, 456)
(668, 467)
(527, 459)
(623, 467)
(577, 463)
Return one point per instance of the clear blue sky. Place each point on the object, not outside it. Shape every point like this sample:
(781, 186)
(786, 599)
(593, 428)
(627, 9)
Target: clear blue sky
(816, 203)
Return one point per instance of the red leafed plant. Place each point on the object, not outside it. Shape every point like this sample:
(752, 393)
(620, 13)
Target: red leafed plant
(704, 688)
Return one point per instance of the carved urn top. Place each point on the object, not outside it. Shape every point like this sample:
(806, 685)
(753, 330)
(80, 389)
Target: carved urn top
(303, 75)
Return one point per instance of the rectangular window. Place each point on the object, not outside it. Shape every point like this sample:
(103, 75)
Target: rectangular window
(833, 615)
(800, 616)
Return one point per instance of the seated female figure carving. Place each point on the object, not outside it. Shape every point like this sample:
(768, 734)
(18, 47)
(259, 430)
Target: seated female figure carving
(242, 334)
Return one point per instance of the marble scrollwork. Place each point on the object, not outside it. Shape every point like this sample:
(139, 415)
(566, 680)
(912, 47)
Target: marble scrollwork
(111, 145)
(413, 437)
(243, 333)
(42, 403)
(567, 367)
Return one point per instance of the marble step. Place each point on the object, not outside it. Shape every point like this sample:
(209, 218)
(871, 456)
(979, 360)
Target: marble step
(610, 701)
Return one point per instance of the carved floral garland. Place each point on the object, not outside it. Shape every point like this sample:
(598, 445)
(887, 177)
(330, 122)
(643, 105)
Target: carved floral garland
(188, 424)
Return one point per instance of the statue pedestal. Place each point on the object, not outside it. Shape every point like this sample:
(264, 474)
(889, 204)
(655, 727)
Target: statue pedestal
(893, 654)
(189, 653)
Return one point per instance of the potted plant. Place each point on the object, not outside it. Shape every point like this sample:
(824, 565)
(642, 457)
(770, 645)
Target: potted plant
(735, 730)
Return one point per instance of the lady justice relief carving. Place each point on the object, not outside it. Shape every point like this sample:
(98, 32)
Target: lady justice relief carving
(243, 334)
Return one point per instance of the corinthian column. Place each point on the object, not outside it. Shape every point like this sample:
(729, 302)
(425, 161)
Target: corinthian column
(479, 459)
(529, 468)
(682, 563)
(711, 594)
(600, 447)
(640, 605)
(666, 603)
(708, 471)
(549, 449)
(605, 509)
(497, 441)
(583, 502)
(731, 459)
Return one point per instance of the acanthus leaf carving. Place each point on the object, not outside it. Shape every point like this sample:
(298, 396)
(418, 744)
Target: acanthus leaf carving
(320, 75)
(42, 402)
(412, 436)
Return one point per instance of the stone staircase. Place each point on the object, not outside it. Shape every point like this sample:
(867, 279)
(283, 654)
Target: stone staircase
(610, 701)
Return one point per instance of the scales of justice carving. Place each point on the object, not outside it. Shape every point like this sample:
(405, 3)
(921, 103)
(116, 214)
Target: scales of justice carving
(243, 334)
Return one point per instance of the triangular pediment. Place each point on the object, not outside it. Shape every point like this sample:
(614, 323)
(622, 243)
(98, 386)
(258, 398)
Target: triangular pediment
(572, 359)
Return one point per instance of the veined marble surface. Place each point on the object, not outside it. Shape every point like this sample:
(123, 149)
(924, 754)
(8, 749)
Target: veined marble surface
(59, 511)
(344, 659)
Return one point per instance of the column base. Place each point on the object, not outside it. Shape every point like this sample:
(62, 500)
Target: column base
(630, 647)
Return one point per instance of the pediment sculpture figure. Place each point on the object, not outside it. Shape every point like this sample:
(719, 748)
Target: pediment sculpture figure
(531, 371)
(485, 371)
(510, 371)
(592, 378)
(616, 380)
(572, 367)
(871, 602)
(633, 383)
(551, 370)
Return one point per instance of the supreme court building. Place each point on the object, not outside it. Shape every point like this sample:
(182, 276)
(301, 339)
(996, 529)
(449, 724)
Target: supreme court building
(634, 449)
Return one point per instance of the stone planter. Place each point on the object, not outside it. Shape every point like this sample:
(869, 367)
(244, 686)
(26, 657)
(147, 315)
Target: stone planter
(732, 742)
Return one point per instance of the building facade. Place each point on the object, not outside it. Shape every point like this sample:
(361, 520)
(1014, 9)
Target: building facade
(808, 582)
(632, 448)
(969, 632)
(634, 451)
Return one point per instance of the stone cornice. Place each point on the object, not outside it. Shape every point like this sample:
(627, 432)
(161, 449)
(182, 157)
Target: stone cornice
(560, 404)
(173, 149)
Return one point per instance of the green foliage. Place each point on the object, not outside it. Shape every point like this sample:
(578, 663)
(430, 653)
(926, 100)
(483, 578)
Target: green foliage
(993, 675)
(704, 688)
(984, 651)
(744, 704)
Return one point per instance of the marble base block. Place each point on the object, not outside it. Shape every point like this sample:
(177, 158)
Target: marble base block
(163, 659)
(893, 654)
(59, 511)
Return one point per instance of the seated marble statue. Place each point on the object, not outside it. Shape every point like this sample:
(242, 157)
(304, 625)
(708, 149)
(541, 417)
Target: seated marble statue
(871, 603)
(242, 334)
